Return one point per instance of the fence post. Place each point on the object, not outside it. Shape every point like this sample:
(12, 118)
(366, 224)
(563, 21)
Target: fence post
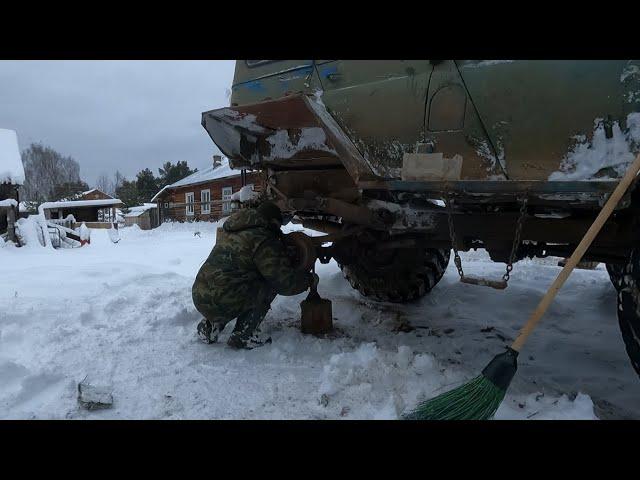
(11, 224)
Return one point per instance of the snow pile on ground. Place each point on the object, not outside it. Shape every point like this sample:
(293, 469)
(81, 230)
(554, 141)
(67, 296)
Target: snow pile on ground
(121, 315)
(114, 235)
(548, 408)
(378, 381)
(33, 232)
(11, 169)
(85, 233)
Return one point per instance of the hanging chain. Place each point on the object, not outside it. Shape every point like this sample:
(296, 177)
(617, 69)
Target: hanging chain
(516, 238)
(456, 257)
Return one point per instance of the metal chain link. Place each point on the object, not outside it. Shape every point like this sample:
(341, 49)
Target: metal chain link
(516, 238)
(456, 257)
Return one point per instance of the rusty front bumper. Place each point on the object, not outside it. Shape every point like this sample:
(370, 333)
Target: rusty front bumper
(295, 130)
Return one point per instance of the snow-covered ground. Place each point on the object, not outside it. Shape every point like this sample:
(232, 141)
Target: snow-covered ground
(121, 315)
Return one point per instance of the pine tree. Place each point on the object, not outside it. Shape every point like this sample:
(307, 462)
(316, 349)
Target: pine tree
(170, 173)
(128, 193)
(147, 185)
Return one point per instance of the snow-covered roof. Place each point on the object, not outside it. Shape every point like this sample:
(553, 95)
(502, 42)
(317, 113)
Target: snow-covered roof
(11, 169)
(208, 174)
(95, 190)
(9, 202)
(139, 210)
(80, 203)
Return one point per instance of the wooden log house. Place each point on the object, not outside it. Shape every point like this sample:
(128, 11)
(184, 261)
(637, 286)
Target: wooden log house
(206, 194)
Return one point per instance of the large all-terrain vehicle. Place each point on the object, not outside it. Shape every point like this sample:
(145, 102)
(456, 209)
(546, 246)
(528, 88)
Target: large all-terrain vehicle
(402, 161)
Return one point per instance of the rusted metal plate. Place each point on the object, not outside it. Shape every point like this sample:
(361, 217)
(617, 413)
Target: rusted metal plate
(335, 183)
(279, 132)
(266, 132)
(357, 166)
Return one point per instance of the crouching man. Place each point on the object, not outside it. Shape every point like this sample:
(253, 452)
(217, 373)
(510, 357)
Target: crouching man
(247, 268)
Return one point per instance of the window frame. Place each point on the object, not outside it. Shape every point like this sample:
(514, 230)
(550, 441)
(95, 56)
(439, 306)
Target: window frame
(190, 205)
(226, 202)
(205, 205)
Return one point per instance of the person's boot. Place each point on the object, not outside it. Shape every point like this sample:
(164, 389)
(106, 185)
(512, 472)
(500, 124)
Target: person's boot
(238, 343)
(207, 332)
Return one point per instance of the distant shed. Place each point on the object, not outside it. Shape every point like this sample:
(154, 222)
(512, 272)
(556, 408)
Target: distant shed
(93, 207)
(145, 216)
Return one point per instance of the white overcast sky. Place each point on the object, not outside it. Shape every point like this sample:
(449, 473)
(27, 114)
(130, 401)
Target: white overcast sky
(115, 115)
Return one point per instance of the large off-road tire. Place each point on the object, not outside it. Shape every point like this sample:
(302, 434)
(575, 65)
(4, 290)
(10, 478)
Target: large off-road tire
(629, 309)
(400, 275)
(615, 274)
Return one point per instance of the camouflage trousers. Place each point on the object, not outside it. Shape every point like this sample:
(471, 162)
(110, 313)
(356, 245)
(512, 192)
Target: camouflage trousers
(251, 315)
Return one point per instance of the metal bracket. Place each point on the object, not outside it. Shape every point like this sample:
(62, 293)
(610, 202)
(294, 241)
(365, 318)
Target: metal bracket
(325, 254)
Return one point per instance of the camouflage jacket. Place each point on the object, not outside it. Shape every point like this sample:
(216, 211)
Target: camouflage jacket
(249, 252)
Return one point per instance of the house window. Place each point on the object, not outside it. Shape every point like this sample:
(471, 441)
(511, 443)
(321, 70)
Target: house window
(189, 201)
(205, 201)
(226, 199)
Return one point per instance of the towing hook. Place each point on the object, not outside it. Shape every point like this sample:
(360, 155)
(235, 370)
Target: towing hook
(385, 216)
(324, 254)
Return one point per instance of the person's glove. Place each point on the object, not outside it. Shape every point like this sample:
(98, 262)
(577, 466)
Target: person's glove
(315, 279)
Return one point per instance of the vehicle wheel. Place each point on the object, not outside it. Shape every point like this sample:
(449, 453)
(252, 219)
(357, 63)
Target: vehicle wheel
(615, 274)
(629, 309)
(398, 275)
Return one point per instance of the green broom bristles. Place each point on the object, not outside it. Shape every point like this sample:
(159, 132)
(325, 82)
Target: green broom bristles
(477, 399)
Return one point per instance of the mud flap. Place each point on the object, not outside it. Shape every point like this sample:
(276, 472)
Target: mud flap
(292, 128)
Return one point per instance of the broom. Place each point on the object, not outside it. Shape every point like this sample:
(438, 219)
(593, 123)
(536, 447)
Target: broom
(480, 398)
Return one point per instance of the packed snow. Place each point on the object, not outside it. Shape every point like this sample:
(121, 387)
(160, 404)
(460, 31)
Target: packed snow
(32, 233)
(120, 316)
(11, 169)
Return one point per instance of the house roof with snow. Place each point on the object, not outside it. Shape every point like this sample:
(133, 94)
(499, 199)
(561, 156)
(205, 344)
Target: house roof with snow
(11, 169)
(140, 209)
(104, 203)
(93, 194)
(202, 176)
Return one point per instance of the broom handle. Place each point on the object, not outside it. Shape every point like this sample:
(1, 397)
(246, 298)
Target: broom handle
(577, 255)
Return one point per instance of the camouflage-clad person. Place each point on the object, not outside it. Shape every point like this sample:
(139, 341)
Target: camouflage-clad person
(246, 269)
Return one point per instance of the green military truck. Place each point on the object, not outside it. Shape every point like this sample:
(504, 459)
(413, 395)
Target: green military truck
(402, 161)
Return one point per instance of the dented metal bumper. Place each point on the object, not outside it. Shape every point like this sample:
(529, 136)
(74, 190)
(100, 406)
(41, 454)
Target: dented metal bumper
(296, 129)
